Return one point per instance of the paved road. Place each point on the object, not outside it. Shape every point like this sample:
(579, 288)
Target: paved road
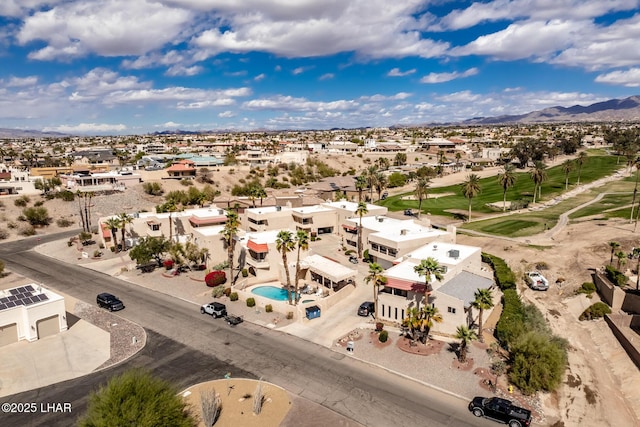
(186, 347)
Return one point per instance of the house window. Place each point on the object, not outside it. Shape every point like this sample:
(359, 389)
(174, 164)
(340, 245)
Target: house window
(389, 312)
(382, 313)
(451, 310)
(402, 314)
(396, 313)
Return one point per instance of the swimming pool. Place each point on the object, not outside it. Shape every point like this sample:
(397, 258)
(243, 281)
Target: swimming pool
(272, 292)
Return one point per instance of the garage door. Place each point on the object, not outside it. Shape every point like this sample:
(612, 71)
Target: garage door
(48, 326)
(8, 334)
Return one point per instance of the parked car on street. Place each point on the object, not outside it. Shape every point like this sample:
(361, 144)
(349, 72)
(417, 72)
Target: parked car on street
(233, 320)
(353, 259)
(367, 308)
(537, 281)
(110, 302)
(215, 309)
(501, 410)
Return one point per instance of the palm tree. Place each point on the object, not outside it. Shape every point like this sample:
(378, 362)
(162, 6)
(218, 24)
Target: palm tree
(113, 223)
(622, 258)
(123, 220)
(371, 174)
(538, 175)
(431, 315)
(507, 178)
(421, 191)
(429, 268)
(361, 184)
(483, 301)
(170, 207)
(360, 211)
(376, 278)
(636, 254)
(580, 160)
(613, 246)
(465, 335)
(285, 244)
(470, 189)
(567, 167)
(231, 226)
(302, 243)
(380, 183)
(636, 162)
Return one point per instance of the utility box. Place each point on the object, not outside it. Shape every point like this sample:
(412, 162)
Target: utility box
(312, 312)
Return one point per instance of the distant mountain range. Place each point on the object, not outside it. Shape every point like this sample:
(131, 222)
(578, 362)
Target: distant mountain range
(613, 110)
(26, 133)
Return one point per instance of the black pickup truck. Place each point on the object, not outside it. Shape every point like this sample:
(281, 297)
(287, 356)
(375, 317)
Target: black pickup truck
(501, 410)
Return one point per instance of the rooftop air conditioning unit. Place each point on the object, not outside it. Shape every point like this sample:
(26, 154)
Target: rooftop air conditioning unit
(435, 247)
(278, 208)
(454, 253)
(403, 232)
(380, 219)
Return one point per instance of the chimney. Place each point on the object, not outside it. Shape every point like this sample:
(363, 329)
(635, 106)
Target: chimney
(403, 232)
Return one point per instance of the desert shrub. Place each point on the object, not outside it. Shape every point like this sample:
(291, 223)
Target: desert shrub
(217, 291)
(97, 253)
(4, 234)
(349, 252)
(215, 278)
(233, 296)
(168, 264)
(37, 215)
(227, 291)
(616, 277)
(595, 311)
(38, 203)
(245, 272)
(538, 363)
(221, 266)
(542, 265)
(586, 288)
(66, 196)
(289, 315)
(251, 302)
(153, 188)
(186, 182)
(379, 326)
(384, 336)
(12, 225)
(64, 222)
(22, 201)
(504, 277)
(27, 230)
(268, 308)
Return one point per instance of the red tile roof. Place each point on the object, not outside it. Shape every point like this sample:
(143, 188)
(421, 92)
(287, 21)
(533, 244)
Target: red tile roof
(258, 247)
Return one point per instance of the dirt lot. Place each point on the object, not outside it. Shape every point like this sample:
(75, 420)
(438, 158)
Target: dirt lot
(600, 387)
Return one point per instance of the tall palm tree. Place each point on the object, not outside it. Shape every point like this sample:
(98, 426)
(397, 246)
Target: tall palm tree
(421, 191)
(361, 211)
(371, 174)
(580, 161)
(507, 179)
(429, 268)
(538, 175)
(170, 207)
(285, 244)
(567, 167)
(123, 220)
(636, 163)
(112, 224)
(470, 189)
(465, 335)
(483, 301)
(229, 232)
(380, 183)
(302, 243)
(361, 184)
(622, 259)
(613, 246)
(376, 278)
(636, 254)
(431, 315)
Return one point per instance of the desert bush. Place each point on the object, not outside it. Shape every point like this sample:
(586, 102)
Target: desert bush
(595, 311)
(4, 234)
(22, 201)
(215, 278)
(586, 288)
(538, 362)
(153, 188)
(616, 277)
(268, 308)
(64, 222)
(37, 216)
(65, 196)
(97, 253)
(251, 302)
(221, 266)
(384, 336)
(27, 230)
(186, 182)
(349, 252)
(542, 265)
(38, 203)
(289, 315)
(233, 296)
(12, 225)
(379, 326)
(227, 291)
(245, 272)
(217, 291)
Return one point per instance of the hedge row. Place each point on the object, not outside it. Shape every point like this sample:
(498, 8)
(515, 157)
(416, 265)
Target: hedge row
(504, 277)
(538, 358)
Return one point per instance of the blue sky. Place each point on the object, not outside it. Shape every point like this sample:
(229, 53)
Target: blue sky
(138, 66)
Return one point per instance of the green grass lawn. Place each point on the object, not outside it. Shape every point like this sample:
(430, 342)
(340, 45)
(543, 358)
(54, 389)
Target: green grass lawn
(595, 168)
(608, 204)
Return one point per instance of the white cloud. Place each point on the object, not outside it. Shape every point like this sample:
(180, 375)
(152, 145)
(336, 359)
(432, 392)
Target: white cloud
(19, 8)
(169, 125)
(327, 76)
(179, 70)
(86, 128)
(187, 98)
(259, 77)
(628, 78)
(395, 72)
(104, 27)
(227, 114)
(100, 82)
(300, 70)
(289, 103)
(446, 77)
(22, 81)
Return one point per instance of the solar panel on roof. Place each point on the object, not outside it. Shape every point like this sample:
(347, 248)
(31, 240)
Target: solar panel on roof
(3, 300)
(2, 306)
(12, 297)
(11, 304)
(21, 289)
(29, 288)
(20, 302)
(27, 301)
(43, 297)
(14, 291)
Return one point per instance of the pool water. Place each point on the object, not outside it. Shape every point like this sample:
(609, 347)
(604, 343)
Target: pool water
(271, 292)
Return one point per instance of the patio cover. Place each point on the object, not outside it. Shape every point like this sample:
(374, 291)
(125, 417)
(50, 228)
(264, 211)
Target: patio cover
(326, 268)
(258, 247)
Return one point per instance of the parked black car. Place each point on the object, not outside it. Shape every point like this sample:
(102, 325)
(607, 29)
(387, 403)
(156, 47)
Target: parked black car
(501, 410)
(110, 302)
(353, 259)
(366, 308)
